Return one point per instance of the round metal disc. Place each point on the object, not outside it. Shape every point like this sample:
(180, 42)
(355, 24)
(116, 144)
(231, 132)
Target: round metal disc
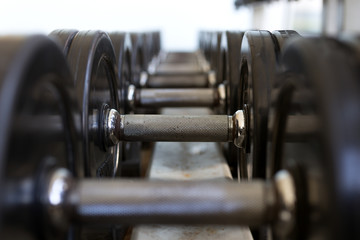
(148, 48)
(137, 58)
(157, 42)
(122, 47)
(216, 60)
(233, 42)
(92, 61)
(282, 36)
(323, 152)
(36, 125)
(258, 69)
(260, 52)
(64, 38)
(131, 159)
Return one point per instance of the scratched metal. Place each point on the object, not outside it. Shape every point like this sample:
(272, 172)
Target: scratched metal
(189, 161)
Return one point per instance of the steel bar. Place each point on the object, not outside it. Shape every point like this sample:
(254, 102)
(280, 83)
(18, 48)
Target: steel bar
(166, 202)
(184, 68)
(176, 97)
(178, 81)
(177, 128)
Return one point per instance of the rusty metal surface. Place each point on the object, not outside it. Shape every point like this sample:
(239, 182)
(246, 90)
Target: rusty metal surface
(189, 161)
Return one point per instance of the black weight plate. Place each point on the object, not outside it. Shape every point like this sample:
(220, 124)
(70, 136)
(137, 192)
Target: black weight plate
(36, 124)
(148, 46)
(234, 103)
(64, 38)
(216, 56)
(130, 150)
(92, 61)
(326, 159)
(223, 62)
(258, 74)
(201, 41)
(208, 46)
(234, 40)
(213, 48)
(157, 42)
(137, 57)
(282, 36)
(204, 44)
(122, 47)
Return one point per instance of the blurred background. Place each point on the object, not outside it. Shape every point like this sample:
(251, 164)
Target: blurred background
(179, 21)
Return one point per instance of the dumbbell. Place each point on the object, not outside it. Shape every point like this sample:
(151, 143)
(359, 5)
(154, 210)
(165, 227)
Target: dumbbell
(139, 100)
(268, 47)
(100, 111)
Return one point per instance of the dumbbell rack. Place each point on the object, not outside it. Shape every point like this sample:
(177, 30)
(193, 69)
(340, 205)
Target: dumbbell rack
(69, 115)
(188, 161)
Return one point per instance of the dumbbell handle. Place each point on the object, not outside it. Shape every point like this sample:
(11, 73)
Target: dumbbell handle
(164, 202)
(199, 80)
(175, 128)
(188, 97)
(122, 201)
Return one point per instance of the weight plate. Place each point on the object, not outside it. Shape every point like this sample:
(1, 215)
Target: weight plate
(122, 47)
(216, 56)
(223, 64)
(148, 46)
(258, 74)
(130, 165)
(282, 36)
(204, 44)
(157, 43)
(325, 151)
(36, 124)
(64, 38)
(233, 41)
(137, 57)
(92, 61)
